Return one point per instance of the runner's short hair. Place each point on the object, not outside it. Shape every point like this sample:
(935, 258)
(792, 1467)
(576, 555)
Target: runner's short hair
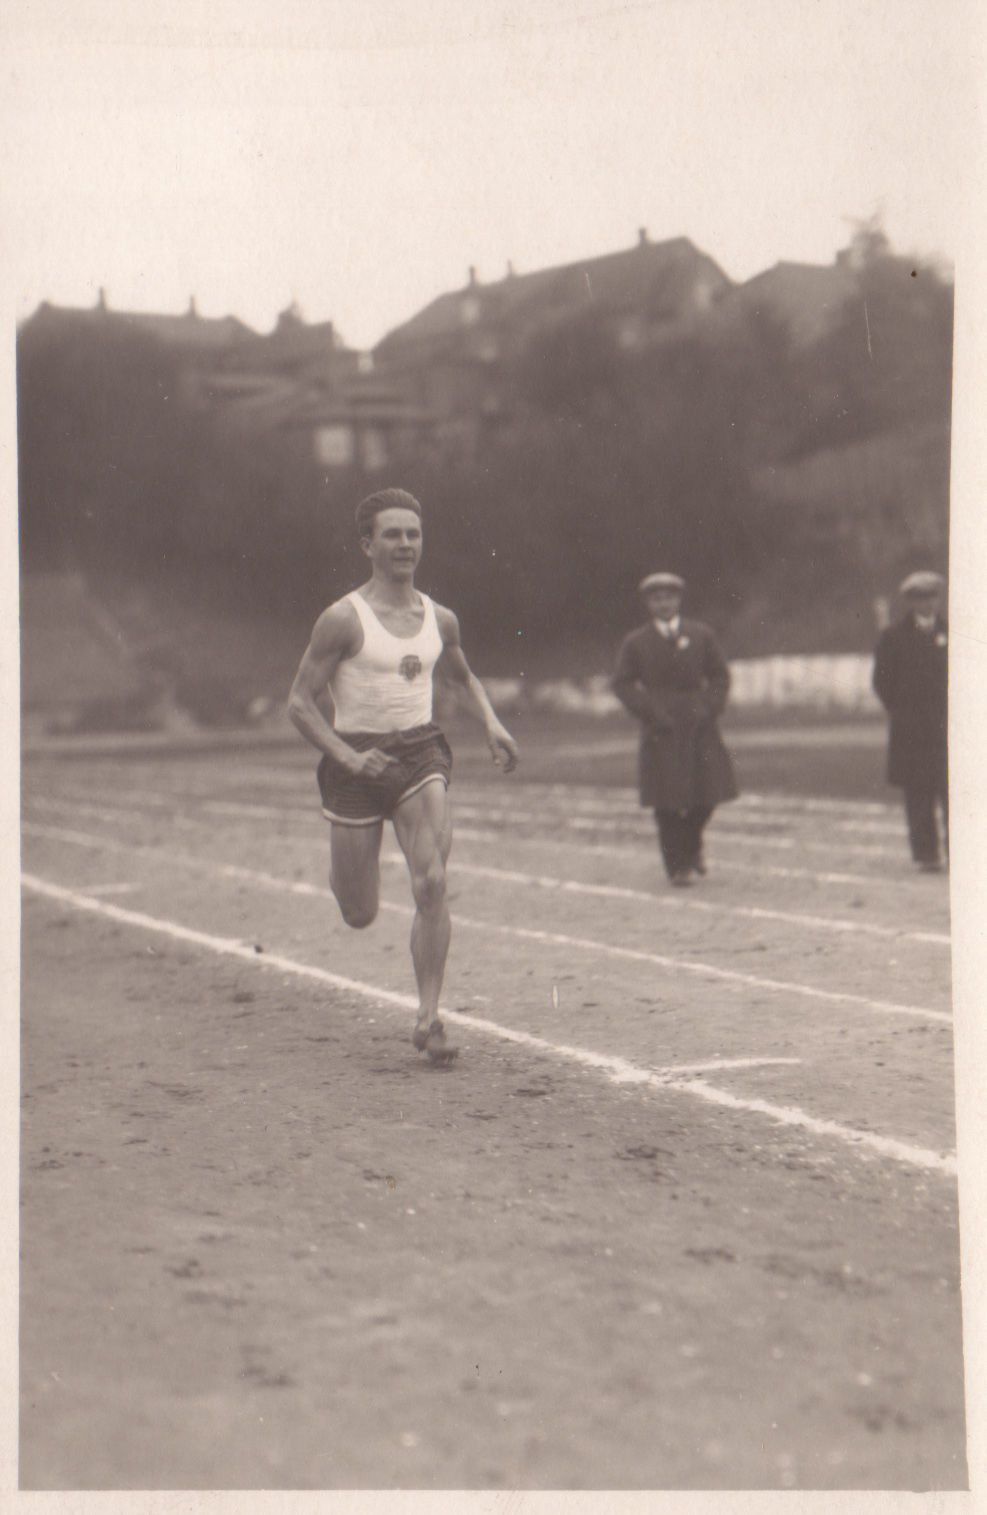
(385, 499)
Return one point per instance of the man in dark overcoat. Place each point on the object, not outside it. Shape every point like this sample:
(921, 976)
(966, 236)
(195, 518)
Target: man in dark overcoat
(673, 678)
(910, 679)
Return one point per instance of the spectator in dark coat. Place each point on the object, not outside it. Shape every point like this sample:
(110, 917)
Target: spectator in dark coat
(910, 679)
(672, 677)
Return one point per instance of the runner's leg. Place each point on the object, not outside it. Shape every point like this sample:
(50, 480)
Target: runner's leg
(423, 827)
(355, 871)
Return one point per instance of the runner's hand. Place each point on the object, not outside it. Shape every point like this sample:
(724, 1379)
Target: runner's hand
(503, 748)
(372, 763)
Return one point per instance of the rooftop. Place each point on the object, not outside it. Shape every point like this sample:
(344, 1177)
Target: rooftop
(645, 275)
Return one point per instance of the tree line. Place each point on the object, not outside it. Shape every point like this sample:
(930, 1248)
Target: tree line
(789, 483)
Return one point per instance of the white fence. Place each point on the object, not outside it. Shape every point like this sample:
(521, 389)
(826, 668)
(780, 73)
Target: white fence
(841, 682)
(837, 682)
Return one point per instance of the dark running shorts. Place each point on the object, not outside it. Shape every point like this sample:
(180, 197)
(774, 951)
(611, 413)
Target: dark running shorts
(421, 755)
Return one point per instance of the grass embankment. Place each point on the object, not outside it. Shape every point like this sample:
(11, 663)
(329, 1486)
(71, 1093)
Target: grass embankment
(223, 662)
(791, 752)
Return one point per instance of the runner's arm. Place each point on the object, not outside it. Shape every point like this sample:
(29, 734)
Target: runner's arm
(454, 669)
(334, 637)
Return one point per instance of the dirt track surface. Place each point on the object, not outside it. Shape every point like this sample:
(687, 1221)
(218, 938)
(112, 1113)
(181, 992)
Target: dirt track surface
(683, 1215)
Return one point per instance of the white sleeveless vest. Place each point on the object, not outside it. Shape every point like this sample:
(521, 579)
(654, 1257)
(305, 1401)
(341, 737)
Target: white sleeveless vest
(387, 685)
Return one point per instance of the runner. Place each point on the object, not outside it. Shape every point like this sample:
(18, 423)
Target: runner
(363, 696)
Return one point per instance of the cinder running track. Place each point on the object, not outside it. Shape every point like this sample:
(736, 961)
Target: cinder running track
(682, 1216)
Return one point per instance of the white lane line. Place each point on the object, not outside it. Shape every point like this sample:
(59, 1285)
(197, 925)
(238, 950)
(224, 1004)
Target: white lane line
(704, 970)
(631, 823)
(592, 796)
(756, 813)
(262, 812)
(665, 902)
(777, 800)
(526, 818)
(606, 891)
(618, 1069)
(588, 798)
(512, 818)
(476, 834)
(597, 796)
(856, 826)
(683, 1070)
(551, 938)
(111, 888)
(741, 737)
(752, 870)
(109, 812)
(469, 800)
(140, 804)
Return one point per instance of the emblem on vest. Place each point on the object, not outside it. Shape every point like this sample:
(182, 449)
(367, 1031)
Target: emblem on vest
(410, 667)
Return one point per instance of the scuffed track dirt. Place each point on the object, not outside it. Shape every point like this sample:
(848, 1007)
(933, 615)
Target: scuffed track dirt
(266, 1245)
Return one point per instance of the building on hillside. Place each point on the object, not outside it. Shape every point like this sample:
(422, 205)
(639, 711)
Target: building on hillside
(303, 380)
(300, 377)
(370, 424)
(806, 299)
(197, 339)
(295, 352)
(455, 355)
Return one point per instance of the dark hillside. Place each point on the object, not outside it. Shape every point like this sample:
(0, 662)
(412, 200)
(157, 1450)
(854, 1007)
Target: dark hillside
(792, 473)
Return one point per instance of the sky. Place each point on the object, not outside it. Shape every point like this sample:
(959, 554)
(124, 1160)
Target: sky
(358, 157)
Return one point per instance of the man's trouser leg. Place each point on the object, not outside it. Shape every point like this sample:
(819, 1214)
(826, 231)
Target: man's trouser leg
(696, 820)
(920, 813)
(943, 796)
(677, 838)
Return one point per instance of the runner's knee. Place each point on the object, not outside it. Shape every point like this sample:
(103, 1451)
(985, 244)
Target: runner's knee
(358, 916)
(356, 911)
(429, 884)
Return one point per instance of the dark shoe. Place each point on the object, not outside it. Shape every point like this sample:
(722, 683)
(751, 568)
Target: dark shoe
(929, 865)
(682, 879)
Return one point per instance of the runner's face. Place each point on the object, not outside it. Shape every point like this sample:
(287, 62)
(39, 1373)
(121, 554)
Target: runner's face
(396, 545)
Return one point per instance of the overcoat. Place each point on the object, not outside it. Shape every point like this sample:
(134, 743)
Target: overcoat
(911, 680)
(677, 688)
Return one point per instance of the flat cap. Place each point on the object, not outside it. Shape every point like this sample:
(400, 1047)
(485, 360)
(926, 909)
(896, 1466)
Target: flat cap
(661, 581)
(923, 582)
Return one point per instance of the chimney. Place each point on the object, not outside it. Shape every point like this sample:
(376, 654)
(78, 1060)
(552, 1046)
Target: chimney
(191, 306)
(510, 269)
(101, 301)
(642, 236)
(473, 279)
